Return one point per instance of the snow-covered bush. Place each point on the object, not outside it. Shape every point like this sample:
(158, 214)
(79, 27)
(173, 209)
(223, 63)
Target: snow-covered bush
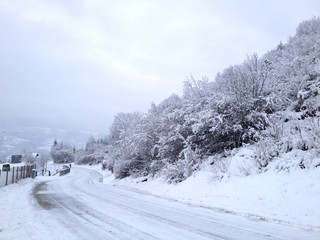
(183, 168)
(295, 160)
(219, 164)
(29, 158)
(126, 168)
(271, 102)
(108, 164)
(62, 153)
(94, 153)
(156, 167)
(86, 158)
(243, 162)
(176, 172)
(265, 151)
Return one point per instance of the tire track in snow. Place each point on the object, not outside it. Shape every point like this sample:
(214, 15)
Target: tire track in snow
(92, 210)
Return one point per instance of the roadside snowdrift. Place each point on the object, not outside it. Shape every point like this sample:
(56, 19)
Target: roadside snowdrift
(289, 197)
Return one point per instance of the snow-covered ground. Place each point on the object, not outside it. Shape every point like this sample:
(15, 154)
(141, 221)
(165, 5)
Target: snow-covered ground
(18, 220)
(289, 198)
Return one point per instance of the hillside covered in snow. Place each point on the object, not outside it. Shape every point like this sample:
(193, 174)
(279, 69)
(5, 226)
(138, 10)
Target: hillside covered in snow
(269, 104)
(246, 143)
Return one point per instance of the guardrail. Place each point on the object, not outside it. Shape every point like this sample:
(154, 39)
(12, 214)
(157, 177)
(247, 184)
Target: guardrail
(10, 174)
(64, 171)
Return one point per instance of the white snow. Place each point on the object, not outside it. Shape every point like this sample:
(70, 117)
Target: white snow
(289, 198)
(18, 219)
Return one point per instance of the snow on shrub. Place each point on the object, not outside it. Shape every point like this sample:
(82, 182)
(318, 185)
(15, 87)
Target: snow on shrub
(295, 160)
(183, 168)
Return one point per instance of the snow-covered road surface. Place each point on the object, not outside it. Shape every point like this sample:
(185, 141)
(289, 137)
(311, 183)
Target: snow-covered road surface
(79, 206)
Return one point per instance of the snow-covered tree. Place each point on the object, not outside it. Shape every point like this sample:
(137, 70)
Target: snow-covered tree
(62, 153)
(94, 152)
(271, 101)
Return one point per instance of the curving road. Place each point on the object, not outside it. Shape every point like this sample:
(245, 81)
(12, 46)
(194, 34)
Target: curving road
(81, 207)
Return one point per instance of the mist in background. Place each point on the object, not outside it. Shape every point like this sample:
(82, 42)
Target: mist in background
(75, 64)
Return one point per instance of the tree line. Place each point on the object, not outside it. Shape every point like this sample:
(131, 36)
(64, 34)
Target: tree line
(270, 101)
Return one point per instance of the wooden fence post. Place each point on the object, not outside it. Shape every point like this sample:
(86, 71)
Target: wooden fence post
(17, 173)
(7, 178)
(12, 175)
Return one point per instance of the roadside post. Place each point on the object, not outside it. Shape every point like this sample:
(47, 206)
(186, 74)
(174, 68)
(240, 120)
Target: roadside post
(6, 168)
(33, 173)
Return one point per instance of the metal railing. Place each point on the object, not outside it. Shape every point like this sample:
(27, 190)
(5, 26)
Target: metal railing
(64, 171)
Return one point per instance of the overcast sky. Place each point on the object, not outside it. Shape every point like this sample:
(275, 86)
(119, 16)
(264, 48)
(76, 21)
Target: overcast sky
(76, 63)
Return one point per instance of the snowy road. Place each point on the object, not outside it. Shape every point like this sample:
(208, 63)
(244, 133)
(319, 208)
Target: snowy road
(79, 206)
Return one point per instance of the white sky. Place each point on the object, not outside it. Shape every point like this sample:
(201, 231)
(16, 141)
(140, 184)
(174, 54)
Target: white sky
(75, 64)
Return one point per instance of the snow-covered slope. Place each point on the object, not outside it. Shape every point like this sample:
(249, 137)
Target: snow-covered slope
(78, 206)
(288, 197)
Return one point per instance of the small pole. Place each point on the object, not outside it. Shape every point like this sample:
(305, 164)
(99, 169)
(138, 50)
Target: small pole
(7, 178)
(17, 174)
(12, 175)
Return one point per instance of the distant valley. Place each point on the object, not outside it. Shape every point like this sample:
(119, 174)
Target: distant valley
(38, 139)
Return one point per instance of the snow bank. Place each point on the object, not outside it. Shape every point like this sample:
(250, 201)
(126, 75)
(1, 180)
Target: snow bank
(16, 215)
(288, 197)
(18, 218)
